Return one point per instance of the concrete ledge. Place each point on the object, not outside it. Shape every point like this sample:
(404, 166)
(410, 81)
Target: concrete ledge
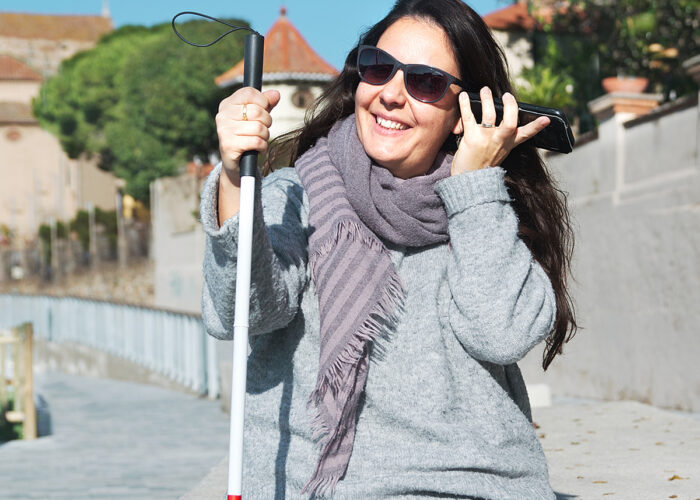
(213, 486)
(540, 395)
(77, 359)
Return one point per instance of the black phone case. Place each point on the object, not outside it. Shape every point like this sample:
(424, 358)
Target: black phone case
(557, 136)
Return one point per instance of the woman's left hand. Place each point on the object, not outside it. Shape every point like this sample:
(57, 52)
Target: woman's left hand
(488, 146)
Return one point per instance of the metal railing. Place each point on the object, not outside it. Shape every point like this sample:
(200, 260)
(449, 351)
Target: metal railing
(168, 343)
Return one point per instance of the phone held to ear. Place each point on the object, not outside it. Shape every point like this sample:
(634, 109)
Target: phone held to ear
(557, 136)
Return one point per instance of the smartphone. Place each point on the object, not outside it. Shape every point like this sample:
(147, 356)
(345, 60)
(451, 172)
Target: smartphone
(557, 136)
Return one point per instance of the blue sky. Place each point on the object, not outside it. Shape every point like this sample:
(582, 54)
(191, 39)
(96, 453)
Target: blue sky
(331, 27)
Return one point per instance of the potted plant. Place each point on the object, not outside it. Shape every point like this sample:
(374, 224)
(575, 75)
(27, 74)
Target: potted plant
(616, 41)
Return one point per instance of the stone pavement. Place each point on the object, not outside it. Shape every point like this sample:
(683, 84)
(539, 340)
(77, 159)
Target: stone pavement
(608, 450)
(620, 450)
(114, 440)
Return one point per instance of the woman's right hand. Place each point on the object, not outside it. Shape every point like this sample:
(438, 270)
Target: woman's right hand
(236, 136)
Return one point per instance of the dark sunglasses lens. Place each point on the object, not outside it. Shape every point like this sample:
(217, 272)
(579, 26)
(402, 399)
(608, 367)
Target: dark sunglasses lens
(426, 84)
(374, 66)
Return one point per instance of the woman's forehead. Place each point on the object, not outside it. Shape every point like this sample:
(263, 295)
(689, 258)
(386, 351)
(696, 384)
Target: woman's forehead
(419, 41)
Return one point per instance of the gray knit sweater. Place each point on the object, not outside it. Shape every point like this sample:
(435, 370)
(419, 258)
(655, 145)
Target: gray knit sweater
(445, 412)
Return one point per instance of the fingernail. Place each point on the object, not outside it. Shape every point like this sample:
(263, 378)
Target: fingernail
(486, 90)
(463, 96)
(507, 94)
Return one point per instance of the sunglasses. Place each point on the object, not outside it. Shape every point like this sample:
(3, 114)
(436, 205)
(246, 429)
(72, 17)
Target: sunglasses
(424, 83)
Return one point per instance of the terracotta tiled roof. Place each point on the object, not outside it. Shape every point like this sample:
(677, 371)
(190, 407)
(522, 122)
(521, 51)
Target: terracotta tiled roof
(54, 27)
(513, 17)
(12, 69)
(199, 170)
(16, 112)
(516, 17)
(287, 56)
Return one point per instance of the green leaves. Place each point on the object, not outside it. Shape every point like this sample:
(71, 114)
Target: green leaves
(141, 101)
(543, 86)
(591, 40)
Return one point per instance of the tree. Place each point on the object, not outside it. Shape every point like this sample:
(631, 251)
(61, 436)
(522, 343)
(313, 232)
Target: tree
(141, 101)
(587, 40)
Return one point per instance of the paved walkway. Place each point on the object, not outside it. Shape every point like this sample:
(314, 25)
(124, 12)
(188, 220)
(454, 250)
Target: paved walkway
(114, 441)
(620, 450)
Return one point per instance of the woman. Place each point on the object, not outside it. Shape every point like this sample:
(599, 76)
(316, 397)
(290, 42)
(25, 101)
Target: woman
(397, 276)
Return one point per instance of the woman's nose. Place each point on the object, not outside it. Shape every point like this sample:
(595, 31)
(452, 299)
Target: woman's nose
(393, 92)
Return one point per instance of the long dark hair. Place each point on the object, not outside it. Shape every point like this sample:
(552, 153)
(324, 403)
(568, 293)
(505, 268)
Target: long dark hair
(540, 206)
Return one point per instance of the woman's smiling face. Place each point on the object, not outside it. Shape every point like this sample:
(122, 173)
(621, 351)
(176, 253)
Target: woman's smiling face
(397, 131)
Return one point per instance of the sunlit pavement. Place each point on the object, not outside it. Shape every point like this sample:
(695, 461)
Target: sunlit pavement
(117, 440)
(620, 450)
(114, 440)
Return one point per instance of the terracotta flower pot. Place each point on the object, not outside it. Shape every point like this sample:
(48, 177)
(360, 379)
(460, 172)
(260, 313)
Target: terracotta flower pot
(634, 84)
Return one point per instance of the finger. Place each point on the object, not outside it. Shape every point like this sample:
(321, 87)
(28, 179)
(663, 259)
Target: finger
(233, 148)
(234, 112)
(531, 129)
(248, 128)
(465, 109)
(510, 112)
(488, 110)
(273, 97)
(246, 95)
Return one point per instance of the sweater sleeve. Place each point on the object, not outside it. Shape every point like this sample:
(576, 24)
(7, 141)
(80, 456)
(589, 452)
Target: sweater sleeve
(502, 301)
(279, 257)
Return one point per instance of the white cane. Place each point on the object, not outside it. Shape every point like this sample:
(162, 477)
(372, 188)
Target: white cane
(252, 77)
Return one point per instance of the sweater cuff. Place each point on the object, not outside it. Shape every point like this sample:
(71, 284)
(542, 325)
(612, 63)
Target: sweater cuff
(209, 209)
(466, 190)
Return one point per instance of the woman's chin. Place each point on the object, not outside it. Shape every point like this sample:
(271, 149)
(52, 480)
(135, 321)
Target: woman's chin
(387, 146)
(386, 158)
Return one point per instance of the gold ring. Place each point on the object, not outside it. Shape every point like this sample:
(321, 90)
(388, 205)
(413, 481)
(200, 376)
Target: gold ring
(245, 112)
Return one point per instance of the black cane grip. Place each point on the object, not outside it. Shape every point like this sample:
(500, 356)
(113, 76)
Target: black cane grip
(252, 77)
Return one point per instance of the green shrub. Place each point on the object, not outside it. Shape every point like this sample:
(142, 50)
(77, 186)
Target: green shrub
(8, 430)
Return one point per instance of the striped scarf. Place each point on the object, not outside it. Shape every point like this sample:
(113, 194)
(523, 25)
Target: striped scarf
(353, 202)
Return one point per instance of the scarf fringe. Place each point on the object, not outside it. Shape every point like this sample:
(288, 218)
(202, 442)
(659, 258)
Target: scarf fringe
(387, 310)
(373, 329)
(320, 485)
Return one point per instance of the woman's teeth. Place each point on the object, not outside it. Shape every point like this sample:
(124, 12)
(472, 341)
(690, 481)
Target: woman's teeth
(389, 124)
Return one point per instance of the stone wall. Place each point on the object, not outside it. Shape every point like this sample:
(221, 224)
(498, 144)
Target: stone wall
(634, 194)
(43, 56)
(133, 284)
(178, 243)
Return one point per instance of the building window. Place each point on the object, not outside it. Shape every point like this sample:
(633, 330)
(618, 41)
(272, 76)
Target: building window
(302, 98)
